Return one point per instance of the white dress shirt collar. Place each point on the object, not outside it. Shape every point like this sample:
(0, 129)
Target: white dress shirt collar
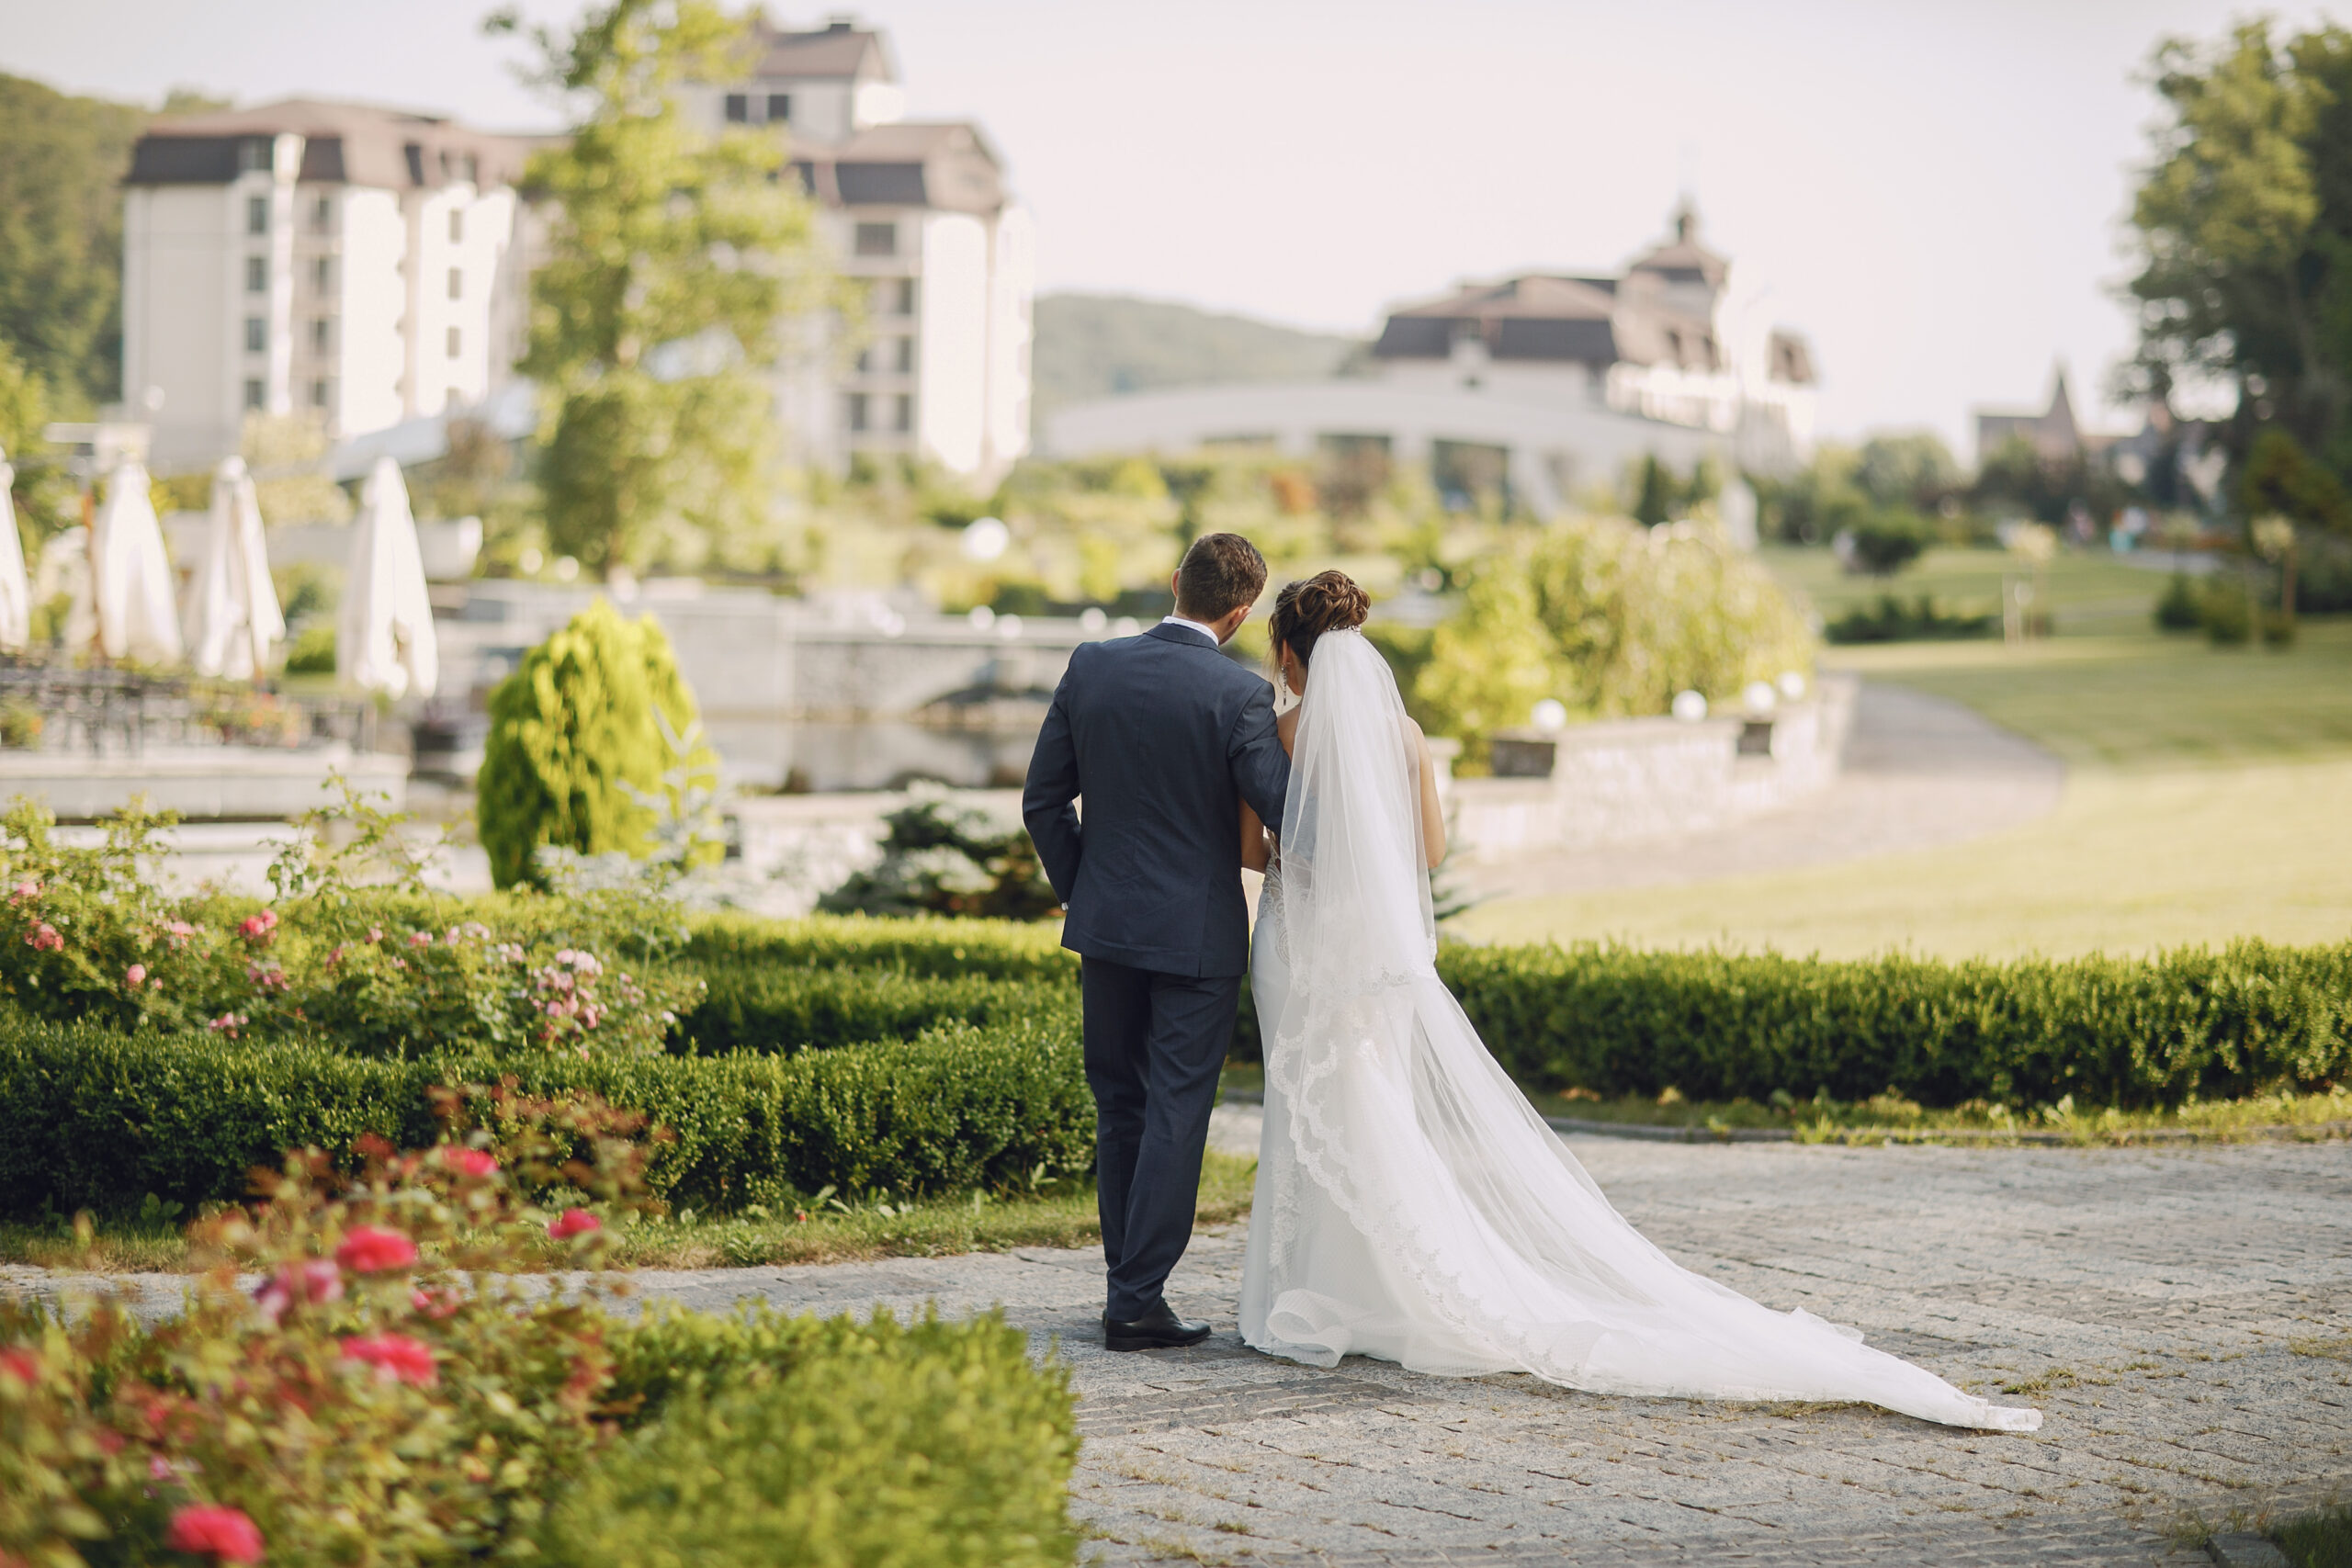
(1208, 632)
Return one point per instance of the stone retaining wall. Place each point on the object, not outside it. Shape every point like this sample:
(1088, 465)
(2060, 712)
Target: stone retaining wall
(1633, 781)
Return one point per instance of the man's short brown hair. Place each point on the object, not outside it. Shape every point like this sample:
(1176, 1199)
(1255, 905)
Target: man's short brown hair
(1221, 572)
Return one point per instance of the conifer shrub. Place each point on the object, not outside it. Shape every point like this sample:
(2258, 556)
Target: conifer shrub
(581, 737)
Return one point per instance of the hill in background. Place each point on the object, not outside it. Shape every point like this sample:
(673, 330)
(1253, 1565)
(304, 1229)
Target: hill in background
(1091, 346)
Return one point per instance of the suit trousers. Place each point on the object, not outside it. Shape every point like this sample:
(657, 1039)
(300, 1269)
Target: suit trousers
(1155, 1044)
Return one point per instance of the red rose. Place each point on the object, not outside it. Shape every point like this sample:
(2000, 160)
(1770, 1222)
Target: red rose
(20, 1365)
(209, 1530)
(573, 1221)
(367, 1250)
(470, 1162)
(395, 1357)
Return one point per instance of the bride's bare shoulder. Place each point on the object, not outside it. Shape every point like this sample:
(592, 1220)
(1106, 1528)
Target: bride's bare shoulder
(1286, 726)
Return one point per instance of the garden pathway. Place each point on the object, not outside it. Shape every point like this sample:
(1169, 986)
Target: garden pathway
(1918, 772)
(2183, 1318)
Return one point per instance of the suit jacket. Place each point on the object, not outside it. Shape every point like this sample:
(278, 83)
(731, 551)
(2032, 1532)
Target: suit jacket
(1163, 736)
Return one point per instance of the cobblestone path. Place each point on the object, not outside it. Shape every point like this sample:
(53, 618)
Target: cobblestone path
(2185, 1320)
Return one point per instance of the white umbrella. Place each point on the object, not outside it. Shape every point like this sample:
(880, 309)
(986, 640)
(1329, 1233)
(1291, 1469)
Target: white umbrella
(232, 619)
(131, 577)
(384, 637)
(16, 592)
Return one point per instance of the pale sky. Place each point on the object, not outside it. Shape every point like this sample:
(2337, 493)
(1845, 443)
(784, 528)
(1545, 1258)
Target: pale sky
(1934, 191)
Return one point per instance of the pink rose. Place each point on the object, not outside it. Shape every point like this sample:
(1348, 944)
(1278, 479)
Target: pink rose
(395, 1357)
(573, 1223)
(134, 976)
(367, 1249)
(211, 1529)
(470, 1162)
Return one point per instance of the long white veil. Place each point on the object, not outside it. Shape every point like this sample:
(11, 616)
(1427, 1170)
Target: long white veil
(1484, 1235)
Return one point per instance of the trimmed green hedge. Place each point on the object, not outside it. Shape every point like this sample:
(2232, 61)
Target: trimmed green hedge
(2122, 1031)
(93, 1119)
(1003, 950)
(775, 1006)
(809, 1441)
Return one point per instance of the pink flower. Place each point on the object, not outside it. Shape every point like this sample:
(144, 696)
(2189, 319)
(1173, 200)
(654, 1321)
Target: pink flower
(44, 939)
(315, 1281)
(211, 1529)
(159, 1468)
(20, 1365)
(370, 1250)
(375, 933)
(134, 976)
(395, 1357)
(443, 1302)
(336, 955)
(23, 892)
(256, 928)
(228, 1023)
(573, 1223)
(419, 939)
(470, 1162)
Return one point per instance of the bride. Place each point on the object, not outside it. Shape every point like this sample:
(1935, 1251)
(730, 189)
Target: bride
(1410, 1204)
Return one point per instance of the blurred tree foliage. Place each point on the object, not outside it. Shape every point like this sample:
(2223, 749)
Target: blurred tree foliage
(61, 163)
(2244, 224)
(673, 258)
(287, 454)
(1611, 618)
(44, 494)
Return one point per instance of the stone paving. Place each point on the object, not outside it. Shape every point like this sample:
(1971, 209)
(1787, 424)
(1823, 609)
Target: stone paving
(2183, 1318)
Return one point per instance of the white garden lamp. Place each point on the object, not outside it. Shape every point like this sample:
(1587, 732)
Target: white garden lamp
(15, 590)
(131, 577)
(384, 635)
(232, 620)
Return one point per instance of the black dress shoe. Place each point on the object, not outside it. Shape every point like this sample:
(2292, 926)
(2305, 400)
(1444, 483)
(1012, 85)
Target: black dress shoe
(1158, 1329)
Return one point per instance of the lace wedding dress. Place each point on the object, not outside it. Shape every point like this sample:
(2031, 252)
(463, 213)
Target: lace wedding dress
(1411, 1205)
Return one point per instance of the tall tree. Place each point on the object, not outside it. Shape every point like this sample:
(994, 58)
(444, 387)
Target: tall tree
(61, 163)
(675, 257)
(2244, 223)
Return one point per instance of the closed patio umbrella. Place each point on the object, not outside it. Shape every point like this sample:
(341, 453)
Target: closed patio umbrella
(232, 619)
(15, 591)
(384, 636)
(131, 577)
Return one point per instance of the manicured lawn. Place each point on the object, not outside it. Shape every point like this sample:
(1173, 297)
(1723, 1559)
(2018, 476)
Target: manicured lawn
(2209, 796)
(2090, 591)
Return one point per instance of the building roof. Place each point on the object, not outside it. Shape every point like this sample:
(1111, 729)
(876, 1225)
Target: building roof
(942, 164)
(1791, 358)
(353, 143)
(1543, 316)
(840, 51)
(1684, 259)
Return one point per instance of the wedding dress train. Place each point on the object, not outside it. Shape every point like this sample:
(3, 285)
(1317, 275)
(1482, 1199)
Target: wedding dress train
(1410, 1204)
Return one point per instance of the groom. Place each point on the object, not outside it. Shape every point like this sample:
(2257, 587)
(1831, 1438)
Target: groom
(1162, 735)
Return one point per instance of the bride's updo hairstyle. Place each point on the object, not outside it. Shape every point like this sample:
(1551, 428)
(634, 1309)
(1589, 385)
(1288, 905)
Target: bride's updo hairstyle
(1327, 602)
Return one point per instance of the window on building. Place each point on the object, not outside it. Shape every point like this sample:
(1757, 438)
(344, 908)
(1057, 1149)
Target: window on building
(322, 215)
(738, 108)
(457, 225)
(457, 283)
(257, 394)
(414, 154)
(902, 415)
(877, 238)
(321, 335)
(322, 393)
(252, 156)
(256, 335)
(457, 343)
(858, 420)
(322, 275)
(906, 357)
(865, 358)
(779, 109)
(256, 215)
(472, 166)
(256, 275)
(906, 300)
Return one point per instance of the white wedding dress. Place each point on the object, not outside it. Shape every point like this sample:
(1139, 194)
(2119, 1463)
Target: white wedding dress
(1411, 1205)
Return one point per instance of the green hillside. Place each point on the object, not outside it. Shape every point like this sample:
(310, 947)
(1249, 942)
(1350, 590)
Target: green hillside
(1091, 346)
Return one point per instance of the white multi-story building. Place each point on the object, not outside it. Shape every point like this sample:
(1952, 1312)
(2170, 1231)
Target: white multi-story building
(918, 212)
(357, 262)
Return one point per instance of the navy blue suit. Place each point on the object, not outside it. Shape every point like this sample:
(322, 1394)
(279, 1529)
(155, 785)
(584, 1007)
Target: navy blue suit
(1163, 737)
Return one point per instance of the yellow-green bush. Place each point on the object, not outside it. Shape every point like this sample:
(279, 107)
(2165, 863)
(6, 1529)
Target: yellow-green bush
(580, 738)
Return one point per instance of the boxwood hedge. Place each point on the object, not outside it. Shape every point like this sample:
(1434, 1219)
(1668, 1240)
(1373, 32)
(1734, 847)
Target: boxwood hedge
(2124, 1032)
(776, 1007)
(925, 946)
(93, 1119)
